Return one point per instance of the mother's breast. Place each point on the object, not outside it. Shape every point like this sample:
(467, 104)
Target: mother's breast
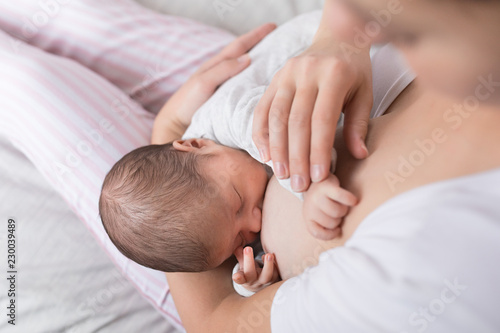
(284, 232)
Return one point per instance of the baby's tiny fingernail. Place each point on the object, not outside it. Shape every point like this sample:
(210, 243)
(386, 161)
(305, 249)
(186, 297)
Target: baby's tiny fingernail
(248, 250)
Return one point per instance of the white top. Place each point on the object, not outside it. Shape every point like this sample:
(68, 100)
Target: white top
(426, 260)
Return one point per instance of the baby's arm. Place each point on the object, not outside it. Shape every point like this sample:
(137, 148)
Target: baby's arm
(251, 276)
(325, 204)
(175, 116)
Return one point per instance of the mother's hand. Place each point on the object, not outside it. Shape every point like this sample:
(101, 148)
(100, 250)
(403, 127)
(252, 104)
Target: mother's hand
(175, 116)
(294, 122)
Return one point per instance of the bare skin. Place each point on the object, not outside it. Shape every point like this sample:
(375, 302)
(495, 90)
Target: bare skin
(413, 116)
(448, 44)
(389, 137)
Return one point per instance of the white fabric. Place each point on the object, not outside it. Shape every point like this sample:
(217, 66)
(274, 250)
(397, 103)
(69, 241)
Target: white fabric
(227, 117)
(391, 75)
(39, 210)
(425, 260)
(237, 16)
(240, 289)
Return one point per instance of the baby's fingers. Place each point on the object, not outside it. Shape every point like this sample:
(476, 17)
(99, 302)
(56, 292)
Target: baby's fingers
(268, 274)
(239, 277)
(322, 233)
(341, 195)
(328, 221)
(330, 210)
(249, 265)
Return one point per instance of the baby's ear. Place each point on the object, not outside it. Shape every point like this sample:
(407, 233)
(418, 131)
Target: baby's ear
(191, 144)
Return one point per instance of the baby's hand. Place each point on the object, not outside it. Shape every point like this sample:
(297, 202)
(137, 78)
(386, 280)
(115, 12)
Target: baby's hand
(251, 276)
(325, 204)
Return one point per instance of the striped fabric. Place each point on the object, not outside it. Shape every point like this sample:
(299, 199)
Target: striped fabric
(80, 83)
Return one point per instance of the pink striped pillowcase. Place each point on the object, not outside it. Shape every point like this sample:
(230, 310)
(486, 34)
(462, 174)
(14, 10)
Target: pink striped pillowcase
(74, 118)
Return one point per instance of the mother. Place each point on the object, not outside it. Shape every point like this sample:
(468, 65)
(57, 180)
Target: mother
(428, 215)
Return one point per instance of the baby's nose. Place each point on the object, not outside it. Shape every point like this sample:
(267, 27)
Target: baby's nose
(256, 220)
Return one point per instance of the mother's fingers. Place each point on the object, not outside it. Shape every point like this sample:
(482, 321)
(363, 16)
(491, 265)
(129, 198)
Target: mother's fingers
(324, 122)
(260, 126)
(357, 115)
(245, 42)
(239, 46)
(299, 137)
(278, 130)
(221, 72)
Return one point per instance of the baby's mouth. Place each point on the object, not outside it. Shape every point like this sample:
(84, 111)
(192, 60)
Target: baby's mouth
(250, 242)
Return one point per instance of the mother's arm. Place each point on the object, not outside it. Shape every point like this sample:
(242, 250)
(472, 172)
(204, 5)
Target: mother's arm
(207, 302)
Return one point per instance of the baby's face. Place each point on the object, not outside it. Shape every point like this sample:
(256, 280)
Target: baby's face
(241, 182)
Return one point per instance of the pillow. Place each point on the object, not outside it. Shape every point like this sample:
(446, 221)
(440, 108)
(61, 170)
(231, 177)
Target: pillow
(237, 16)
(79, 107)
(71, 122)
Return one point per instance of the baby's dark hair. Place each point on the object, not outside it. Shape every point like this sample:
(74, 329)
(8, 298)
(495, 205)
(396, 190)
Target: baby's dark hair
(152, 204)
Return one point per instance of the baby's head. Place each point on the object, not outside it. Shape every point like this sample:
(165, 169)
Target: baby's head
(185, 206)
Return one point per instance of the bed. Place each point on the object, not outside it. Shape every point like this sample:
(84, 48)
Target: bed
(66, 282)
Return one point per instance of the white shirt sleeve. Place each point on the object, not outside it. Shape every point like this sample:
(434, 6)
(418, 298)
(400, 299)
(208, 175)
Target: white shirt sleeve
(425, 260)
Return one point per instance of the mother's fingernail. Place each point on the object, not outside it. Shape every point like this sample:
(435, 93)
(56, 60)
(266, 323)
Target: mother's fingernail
(298, 183)
(316, 172)
(279, 170)
(263, 155)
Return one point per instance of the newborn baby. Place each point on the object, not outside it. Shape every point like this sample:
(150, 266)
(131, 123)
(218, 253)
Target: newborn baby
(185, 206)
(188, 205)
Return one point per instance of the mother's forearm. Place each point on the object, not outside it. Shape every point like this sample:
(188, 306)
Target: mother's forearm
(197, 295)
(207, 302)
